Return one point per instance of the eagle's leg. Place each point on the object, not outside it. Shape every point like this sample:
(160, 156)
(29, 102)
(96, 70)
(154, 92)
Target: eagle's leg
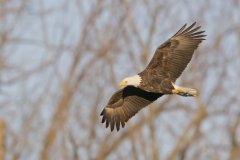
(184, 91)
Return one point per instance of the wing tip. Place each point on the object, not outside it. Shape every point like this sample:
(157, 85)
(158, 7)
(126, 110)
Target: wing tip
(101, 114)
(111, 121)
(192, 32)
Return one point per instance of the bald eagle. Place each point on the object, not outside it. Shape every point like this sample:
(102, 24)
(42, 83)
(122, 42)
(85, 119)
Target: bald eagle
(156, 80)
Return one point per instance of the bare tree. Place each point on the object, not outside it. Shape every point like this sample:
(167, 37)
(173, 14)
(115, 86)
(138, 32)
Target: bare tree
(60, 62)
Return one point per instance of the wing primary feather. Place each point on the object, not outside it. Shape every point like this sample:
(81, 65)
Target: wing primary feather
(107, 123)
(123, 124)
(108, 114)
(117, 121)
(123, 117)
(112, 120)
(202, 35)
(180, 30)
(103, 119)
(189, 28)
(102, 114)
(192, 31)
(118, 118)
(198, 36)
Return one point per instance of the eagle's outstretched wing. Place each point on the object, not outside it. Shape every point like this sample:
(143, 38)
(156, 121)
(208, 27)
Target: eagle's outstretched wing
(172, 57)
(124, 104)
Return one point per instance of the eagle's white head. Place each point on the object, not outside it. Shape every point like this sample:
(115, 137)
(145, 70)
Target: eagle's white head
(131, 81)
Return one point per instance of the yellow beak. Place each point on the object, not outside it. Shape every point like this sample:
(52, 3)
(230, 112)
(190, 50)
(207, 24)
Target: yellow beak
(122, 84)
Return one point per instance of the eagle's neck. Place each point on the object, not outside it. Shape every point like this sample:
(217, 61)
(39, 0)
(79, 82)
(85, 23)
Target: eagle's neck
(134, 80)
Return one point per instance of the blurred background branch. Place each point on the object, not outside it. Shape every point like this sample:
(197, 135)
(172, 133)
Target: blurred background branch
(60, 62)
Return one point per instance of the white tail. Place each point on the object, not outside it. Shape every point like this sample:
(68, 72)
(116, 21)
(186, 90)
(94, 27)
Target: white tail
(185, 91)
